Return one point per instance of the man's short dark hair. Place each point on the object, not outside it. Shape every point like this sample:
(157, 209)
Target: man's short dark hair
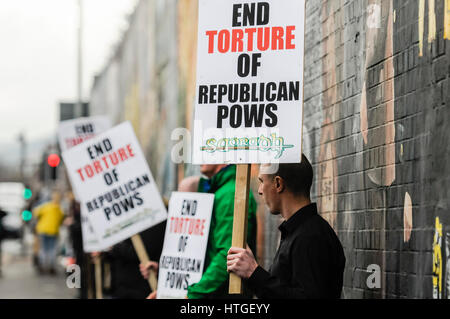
(297, 176)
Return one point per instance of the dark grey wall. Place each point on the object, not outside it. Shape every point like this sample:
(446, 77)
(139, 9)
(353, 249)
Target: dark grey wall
(376, 128)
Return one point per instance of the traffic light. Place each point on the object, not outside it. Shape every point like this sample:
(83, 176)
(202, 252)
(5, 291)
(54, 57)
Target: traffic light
(27, 215)
(27, 193)
(53, 161)
(53, 173)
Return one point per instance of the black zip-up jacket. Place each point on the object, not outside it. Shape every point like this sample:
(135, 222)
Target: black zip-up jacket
(309, 262)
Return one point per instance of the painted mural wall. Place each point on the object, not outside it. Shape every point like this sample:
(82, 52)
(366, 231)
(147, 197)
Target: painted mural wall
(379, 76)
(376, 119)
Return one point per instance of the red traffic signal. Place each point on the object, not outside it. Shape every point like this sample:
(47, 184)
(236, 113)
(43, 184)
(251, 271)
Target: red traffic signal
(53, 160)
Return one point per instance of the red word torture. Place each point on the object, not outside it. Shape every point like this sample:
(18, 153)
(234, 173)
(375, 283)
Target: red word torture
(108, 161)
(188, 226)
(251, 39)
(71, 142)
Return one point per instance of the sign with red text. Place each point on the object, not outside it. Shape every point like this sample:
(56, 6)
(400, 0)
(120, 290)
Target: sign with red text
(70, 134)
(249, 99)
(114, 184)
(76, 131)
(183, 256)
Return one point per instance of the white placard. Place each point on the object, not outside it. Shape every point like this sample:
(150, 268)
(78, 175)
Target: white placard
(90, 240)
(76, 131)
(249, 97)
(115, 186)
(183, 256)
(70, 134)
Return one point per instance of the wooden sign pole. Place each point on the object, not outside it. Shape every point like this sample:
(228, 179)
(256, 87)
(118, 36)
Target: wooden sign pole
(143, 258)
(90, 289)
(240, 219)
(98, 278)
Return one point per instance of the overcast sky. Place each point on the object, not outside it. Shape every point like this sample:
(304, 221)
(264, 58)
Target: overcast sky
(38, 55)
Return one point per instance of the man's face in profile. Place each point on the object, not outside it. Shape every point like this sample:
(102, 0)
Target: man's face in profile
(267, 189)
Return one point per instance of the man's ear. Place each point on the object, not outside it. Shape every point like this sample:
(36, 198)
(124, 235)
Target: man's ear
(279, 184)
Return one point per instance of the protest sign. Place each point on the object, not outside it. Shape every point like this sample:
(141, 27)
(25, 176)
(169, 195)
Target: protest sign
(90, 240)
(183, 256)
(249, 82)
(249, 99)
(70, 134)
(114, 185)
(76, 131)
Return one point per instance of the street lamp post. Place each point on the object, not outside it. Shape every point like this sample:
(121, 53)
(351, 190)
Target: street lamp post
(79, 106)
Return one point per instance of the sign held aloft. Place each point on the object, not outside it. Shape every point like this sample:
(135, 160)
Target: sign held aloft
(183, 256)
(70, 134)
(249, 82)
(76, 131)
(249, 106)
(114, 184)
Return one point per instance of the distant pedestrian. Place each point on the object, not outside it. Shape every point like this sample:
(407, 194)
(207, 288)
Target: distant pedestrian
(35, 201)
(49, 219)
(74, 223)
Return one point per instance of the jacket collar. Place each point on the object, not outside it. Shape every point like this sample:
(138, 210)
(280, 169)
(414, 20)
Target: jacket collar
(303, 214)
(223, 176)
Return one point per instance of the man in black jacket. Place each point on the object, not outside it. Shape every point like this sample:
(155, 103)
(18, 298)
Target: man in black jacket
(310, 260)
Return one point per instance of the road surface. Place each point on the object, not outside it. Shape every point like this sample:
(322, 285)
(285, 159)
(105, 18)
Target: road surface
(19, 280)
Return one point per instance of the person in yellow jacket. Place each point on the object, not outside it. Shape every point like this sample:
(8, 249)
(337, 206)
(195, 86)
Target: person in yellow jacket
(49, 218)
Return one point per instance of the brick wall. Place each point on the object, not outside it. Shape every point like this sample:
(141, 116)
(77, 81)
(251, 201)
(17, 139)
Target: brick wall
(376, 119)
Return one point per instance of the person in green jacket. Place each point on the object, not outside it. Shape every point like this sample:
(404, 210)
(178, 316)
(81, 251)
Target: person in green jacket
(222, 183)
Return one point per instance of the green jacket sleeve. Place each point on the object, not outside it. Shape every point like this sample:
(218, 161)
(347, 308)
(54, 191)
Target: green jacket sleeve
(220, 238)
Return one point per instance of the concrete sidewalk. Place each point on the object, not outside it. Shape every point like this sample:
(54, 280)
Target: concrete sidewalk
(19, 280)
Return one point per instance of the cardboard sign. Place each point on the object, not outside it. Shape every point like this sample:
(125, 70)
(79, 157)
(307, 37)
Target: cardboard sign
(183, 256)
(249, 97)
(90, 239)
(70, 134)
(76, 131)
(115, 186)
